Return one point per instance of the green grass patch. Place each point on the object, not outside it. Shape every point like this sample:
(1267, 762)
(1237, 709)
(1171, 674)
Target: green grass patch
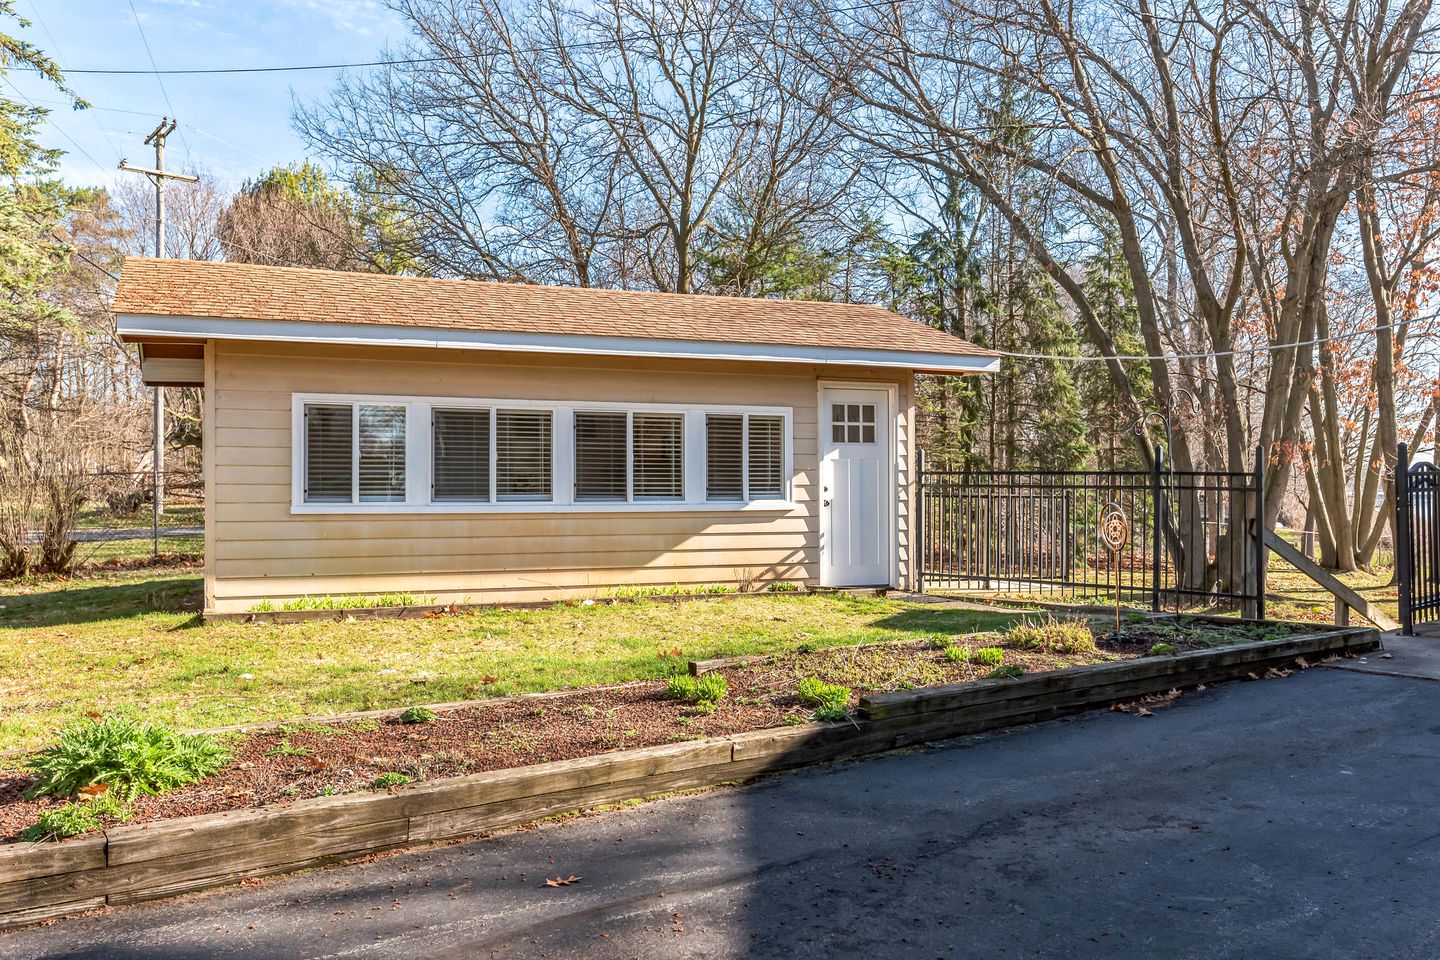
(131, 640)
(1052, 635)
(77, 817)
(830, 700)
(706, 688)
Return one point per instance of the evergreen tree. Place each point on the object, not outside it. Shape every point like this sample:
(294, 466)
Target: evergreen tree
(1109, 287)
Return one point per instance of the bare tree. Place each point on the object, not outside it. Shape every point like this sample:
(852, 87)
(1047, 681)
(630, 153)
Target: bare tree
(596, 145)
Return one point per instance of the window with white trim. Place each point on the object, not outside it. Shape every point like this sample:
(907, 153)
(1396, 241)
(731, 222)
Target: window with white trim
(744, 457)
(460, 455)
(355, 453)
(365, 454)
(523, 449)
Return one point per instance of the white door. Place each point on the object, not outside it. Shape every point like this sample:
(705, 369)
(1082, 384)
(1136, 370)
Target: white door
(855, 488)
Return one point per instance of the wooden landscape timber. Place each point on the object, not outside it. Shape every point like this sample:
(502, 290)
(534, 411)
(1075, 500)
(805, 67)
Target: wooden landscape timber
(132, 863)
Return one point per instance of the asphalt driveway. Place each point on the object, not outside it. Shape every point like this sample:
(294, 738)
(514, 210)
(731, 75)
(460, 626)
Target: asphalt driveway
(1285, 818)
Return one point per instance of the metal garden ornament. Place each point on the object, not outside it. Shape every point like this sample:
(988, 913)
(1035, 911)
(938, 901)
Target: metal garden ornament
(1115, 532)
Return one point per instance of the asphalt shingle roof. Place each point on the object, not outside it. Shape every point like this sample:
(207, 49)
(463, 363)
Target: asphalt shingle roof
(237, 291)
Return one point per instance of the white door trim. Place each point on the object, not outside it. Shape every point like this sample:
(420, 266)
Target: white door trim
(892, 400)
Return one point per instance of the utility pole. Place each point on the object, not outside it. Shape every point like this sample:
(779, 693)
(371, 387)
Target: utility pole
(158, 176)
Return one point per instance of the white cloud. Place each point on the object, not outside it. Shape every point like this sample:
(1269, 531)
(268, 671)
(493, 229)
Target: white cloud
(361, 17)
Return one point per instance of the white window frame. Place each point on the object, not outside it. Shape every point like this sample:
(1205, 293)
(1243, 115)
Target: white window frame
(419, 454)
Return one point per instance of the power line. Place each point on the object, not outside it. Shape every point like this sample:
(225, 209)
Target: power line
(1208, 355)
(21, 93)
(401, 61)
(155, 69)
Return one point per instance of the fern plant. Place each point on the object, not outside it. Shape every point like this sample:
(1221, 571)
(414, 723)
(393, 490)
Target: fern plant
(133, 758)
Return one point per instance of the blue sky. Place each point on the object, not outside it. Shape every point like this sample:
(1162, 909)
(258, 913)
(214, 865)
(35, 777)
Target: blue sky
(231, 125)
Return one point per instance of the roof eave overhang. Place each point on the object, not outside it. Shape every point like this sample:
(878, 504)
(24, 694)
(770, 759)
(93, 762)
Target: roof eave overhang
(141, 327)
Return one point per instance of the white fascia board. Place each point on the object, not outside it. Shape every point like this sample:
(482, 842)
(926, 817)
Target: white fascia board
(367, 334)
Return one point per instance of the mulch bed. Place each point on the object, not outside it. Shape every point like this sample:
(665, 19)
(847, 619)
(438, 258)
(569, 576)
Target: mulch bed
(307, 759)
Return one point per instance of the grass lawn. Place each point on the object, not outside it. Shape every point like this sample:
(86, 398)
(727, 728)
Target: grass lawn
(130, 640)
(1289, 595)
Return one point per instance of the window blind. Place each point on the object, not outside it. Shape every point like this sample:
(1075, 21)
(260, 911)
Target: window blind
(382, 454)
(659, 447)
(522, 454)
(329, 453)
(461, 450)
(724, 457)
(767, 457)
(600, 456)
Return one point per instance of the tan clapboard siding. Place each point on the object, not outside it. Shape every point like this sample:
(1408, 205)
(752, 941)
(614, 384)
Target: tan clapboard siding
(509, 547)
(575, 560)
(513, 586)
(263, 551)
(473, 526)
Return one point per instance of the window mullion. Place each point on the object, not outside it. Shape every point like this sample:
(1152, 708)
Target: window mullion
(494, 460)
(629, 456)
(354, 453)
(745, 458)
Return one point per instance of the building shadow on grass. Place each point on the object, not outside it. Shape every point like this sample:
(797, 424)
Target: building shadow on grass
(76, 605)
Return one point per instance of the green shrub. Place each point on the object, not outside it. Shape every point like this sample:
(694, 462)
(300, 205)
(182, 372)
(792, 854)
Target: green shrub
(706, 688)
(956, 653)
(134, 758)
(418, 715)
(391, 779)
(1053, 636)
(1009, 671)
(1163, 650)
(77, 817)
(987, 656)
(830, 700)
(784, 586)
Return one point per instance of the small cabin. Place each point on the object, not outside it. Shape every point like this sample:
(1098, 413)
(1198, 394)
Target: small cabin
(494, 442)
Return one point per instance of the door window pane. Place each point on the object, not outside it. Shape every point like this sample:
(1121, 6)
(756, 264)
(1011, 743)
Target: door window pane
(852, 423)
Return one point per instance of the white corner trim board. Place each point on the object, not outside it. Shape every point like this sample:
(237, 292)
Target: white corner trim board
(367, 334)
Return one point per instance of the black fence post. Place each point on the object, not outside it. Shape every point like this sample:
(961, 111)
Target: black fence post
(1403, 570)
(1158, 508)
(1262, 553)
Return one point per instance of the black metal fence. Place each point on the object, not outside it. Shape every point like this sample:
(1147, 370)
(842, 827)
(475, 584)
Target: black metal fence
(1192, 539)
(1417, 541)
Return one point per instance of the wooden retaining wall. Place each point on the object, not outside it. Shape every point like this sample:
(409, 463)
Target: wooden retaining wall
(128, 864)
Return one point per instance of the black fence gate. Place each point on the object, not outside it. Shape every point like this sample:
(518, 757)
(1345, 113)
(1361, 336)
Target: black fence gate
(1417, 541)
(1195, 539)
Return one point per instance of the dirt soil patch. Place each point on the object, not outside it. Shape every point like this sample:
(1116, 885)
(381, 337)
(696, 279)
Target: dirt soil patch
(308, 759)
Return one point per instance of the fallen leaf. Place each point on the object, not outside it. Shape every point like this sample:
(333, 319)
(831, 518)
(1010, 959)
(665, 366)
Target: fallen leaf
(93, 714)
(489, 679)
(95, 789)
(563, 881)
